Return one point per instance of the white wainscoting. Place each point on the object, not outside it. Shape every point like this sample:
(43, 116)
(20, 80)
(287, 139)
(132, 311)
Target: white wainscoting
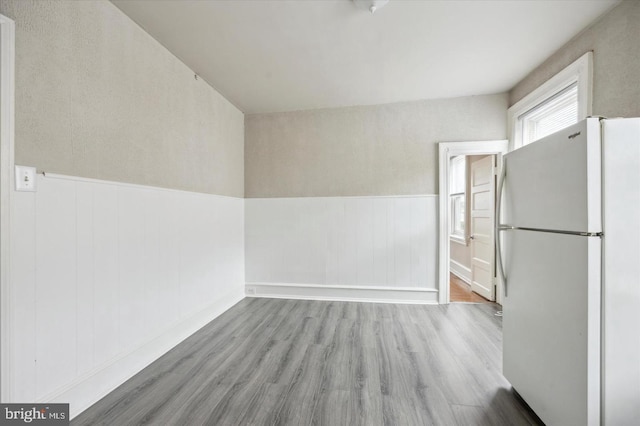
(106, 277)
(342, 248)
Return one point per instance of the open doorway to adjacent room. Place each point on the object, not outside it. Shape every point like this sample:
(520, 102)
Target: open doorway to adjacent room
(472, 209)
(468, 182)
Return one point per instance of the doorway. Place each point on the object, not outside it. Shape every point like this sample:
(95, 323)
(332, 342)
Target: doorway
(467, 225)
(472, 184)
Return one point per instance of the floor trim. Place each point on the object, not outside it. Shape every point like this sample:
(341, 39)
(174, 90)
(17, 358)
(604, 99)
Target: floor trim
(460, 271)
(406, 295)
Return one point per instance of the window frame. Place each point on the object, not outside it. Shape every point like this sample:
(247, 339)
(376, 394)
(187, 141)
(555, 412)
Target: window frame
(580, 72)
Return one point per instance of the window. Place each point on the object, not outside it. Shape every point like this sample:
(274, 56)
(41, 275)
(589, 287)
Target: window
(554, 114)
(457, 185)
(457, 215)
(560, 102)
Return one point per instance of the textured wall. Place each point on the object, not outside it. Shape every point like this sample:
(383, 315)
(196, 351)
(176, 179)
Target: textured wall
(370, 150)
(97, 97)
(615, 42)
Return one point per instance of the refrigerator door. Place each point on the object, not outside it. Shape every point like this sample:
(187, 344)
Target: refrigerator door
(621, 287)
(555, 183)
(551, 324)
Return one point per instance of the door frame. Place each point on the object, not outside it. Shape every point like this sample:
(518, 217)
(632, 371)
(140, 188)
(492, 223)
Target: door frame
(7, 132)
(447, 150)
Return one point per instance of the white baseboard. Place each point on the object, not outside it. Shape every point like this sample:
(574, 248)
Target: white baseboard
(460, 271)
(91, 387)
(407, 295)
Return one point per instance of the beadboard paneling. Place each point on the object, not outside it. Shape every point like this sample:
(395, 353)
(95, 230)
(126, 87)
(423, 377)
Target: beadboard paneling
(369, 242)
(109, 276)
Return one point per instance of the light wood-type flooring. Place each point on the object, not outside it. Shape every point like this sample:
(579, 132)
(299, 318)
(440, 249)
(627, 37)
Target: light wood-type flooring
(293, 362)
(459, 291)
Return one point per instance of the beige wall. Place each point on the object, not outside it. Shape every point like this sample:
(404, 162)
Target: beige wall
(97, 97)
(615, 42)
(368, 150)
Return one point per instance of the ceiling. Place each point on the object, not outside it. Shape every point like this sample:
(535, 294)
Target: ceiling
(286, 55)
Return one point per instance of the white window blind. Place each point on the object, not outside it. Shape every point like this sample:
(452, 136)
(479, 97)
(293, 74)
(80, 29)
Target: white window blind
(555, 113)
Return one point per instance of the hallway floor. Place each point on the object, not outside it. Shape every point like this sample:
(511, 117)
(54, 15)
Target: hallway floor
(459, 291)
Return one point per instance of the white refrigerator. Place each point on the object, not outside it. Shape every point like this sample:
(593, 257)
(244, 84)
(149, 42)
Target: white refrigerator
(569, 253)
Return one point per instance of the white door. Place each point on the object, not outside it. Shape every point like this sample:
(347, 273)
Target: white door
(482, 226)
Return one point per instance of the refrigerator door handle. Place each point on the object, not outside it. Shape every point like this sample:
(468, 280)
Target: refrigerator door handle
(503, 175)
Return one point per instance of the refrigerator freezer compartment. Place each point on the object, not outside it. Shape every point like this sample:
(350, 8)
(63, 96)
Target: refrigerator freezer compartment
(555, 183)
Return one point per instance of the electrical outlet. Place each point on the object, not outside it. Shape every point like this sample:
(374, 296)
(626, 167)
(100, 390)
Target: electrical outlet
(251, 290)
(25, 178)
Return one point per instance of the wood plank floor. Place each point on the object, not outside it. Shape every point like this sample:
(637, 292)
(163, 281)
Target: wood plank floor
(459, 291)
(293, 362)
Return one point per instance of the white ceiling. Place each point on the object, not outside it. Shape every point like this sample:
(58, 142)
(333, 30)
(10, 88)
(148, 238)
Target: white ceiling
(285, 55)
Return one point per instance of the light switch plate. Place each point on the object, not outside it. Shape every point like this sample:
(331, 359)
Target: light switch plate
(25, 178)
